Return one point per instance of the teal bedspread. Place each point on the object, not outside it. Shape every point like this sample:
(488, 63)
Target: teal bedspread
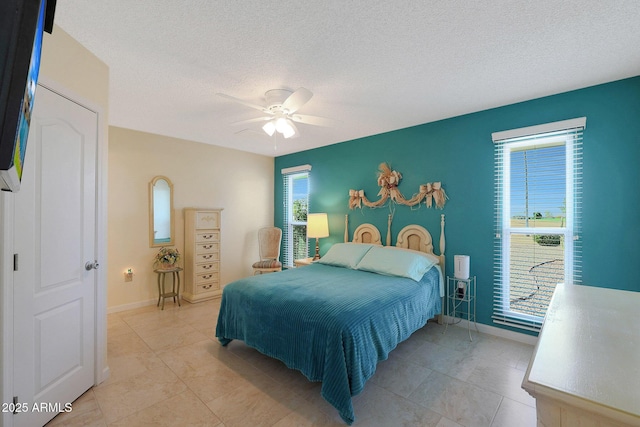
(333, 324)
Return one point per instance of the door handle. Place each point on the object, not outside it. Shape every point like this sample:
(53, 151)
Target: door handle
(91, 265)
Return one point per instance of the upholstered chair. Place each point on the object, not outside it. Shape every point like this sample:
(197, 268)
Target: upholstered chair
(269, 239)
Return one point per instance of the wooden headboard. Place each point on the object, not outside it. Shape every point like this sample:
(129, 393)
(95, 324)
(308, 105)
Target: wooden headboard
(417, 237)
(367, 233)
(414, 237)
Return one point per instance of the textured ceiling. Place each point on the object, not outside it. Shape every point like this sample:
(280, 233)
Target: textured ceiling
(376, 66)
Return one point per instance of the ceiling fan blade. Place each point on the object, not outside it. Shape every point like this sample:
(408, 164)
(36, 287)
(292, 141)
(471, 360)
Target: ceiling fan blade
(314, 120)
(297, 99)
(257, 119)
(243, 102)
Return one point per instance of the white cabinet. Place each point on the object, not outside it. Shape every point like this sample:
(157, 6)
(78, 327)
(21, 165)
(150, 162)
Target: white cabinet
(201, 254)
(584, 369)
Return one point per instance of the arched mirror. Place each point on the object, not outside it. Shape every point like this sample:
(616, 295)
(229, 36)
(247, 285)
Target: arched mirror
(161, 212)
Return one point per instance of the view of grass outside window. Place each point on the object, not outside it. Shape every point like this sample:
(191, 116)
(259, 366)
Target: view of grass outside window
(534, 272)
(538, 195)
(296, 201)
(299, 229)
(536, 182)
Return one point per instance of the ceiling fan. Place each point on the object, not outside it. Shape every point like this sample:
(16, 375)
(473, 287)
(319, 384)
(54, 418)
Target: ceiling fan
(280, 111)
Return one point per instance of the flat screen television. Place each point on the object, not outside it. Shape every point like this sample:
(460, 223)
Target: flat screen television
(22, 23)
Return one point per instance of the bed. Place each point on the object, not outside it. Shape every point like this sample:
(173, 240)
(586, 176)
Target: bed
(335, 319)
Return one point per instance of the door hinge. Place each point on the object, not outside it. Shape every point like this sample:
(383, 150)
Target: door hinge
(15, 262)
(15, 405)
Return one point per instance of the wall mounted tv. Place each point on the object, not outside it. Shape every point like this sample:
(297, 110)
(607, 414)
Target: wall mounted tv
(22, 23)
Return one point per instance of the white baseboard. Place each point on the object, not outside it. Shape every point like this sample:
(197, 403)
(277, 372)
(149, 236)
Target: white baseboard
(131, 306)
(106, 373)
(492, 330)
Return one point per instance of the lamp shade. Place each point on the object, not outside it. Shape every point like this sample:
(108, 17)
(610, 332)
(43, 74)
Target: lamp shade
(317, 225)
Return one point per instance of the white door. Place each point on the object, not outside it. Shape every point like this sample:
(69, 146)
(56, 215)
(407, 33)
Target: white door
(55, 235)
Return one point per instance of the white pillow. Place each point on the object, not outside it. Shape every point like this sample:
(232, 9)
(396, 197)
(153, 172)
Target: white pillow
(345, 254)
(393, 261)
(424, 254)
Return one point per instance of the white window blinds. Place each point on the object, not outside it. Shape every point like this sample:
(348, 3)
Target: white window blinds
(538, 185)
(295, 185)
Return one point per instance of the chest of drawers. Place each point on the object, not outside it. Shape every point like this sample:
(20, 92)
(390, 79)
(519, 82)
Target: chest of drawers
(201, 254)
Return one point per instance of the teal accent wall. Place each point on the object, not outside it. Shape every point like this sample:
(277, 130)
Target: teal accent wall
(459, 153)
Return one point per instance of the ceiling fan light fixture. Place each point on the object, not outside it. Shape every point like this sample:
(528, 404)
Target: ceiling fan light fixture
(288, 130)
(269, 128)
(281, 125)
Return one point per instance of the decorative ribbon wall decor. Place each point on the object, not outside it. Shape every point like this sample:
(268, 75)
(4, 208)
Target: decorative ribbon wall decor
(388, 180)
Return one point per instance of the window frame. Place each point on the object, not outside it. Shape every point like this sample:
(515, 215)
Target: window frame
(508, 231)
(568, 134)
(289, 175)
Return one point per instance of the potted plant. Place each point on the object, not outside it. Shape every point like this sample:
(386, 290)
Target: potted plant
(166, 258)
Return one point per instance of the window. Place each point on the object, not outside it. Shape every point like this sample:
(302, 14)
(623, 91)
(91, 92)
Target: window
(538, 210)
(296, 206)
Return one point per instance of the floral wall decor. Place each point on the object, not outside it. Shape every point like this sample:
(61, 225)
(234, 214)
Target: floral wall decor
(388, 180)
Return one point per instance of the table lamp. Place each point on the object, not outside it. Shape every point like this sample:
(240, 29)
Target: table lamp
(317, 227)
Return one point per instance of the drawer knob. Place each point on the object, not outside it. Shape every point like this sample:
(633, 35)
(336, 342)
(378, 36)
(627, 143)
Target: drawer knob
(206, 287)
(207, 246)
(207, 276)
(207, 256)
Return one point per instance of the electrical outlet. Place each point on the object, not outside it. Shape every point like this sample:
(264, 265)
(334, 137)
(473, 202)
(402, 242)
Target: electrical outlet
(128, 275)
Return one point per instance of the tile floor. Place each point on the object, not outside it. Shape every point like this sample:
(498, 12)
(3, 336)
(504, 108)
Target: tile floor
(167, 369)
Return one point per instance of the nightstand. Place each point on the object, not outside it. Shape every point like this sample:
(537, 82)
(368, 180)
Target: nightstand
(302, 262)
(459, 292)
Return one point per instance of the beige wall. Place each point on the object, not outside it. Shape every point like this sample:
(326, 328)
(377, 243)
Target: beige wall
(68, 63)
(203, 176)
